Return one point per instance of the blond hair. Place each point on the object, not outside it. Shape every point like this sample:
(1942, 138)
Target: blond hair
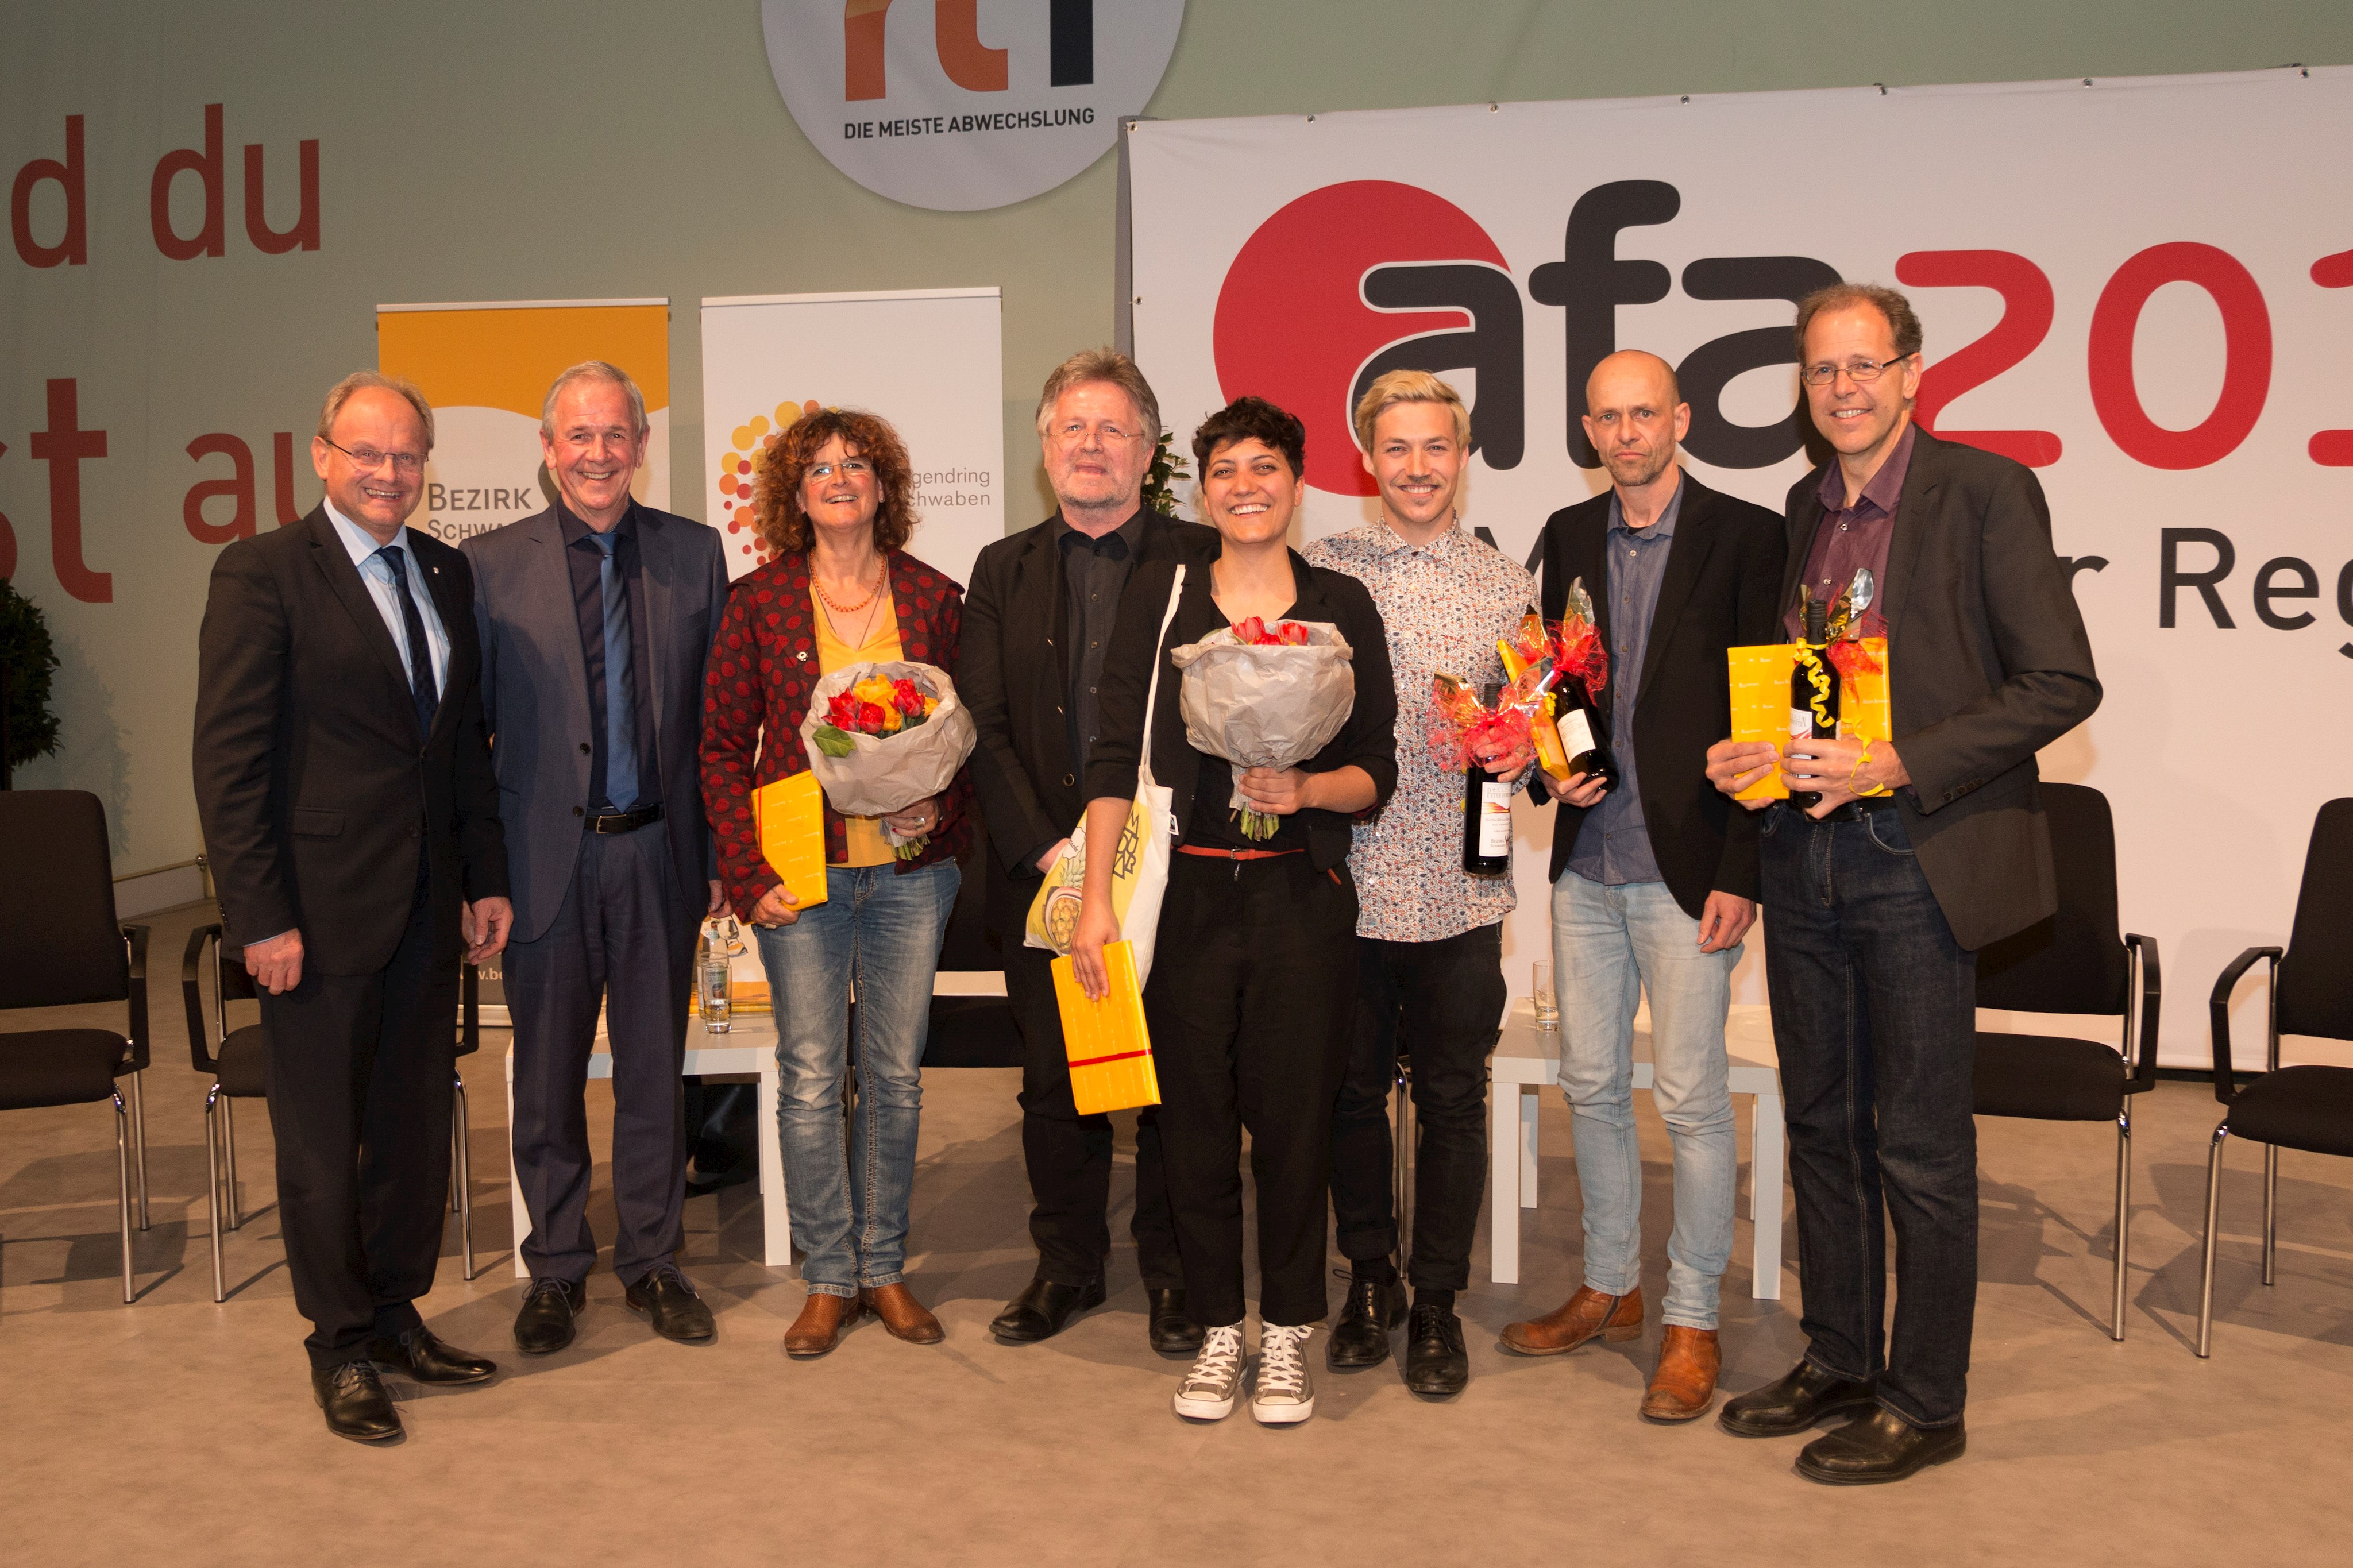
(341, 394)
(1409, 386)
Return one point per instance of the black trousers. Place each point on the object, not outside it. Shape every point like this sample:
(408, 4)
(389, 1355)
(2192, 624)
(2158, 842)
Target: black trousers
(1069, 1156)
(624, 939)
(360, 1071)
(1442, 1004)
(1250, 1004)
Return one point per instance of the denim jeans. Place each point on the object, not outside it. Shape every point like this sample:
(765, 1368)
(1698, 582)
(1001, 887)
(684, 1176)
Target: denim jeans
(880, 930)
(1609, 946)
(1874, 1013)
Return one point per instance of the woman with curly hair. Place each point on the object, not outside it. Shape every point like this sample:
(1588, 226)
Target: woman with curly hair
(834, 498)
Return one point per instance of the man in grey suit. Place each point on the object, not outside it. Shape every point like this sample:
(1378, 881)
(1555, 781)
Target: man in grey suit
(1918, 851)
(596, 620)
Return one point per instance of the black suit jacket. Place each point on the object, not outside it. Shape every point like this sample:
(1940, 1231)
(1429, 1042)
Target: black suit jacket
(1988, 662)
(1013, 672)
(1720, 591)
(311, 786)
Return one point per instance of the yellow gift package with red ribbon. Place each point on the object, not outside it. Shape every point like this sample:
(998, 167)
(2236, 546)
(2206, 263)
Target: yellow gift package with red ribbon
(1109, 1049)
(1760, 701)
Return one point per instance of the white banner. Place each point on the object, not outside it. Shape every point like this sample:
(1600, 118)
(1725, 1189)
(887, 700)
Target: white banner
(930, 362)
(2132, 285)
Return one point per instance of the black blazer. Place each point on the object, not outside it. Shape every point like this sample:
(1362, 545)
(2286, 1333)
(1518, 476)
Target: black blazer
(1013, 672)
(310, 785)
(1368, 739)
(1987, 663)
(1720, 591)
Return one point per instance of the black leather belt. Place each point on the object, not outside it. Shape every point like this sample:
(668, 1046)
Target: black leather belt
(625, 821)
(1856, 810)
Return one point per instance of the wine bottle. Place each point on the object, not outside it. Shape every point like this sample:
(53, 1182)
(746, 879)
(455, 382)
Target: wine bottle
(1813, 691)
(1580, 735)
(1486, 823)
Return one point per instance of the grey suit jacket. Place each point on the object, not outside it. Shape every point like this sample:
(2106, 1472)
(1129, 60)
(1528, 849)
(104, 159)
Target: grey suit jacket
(535, 696)
(1988, 662)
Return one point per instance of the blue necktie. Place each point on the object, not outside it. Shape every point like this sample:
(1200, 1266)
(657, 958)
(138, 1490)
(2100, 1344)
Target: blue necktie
(620, 684)
(422, 690)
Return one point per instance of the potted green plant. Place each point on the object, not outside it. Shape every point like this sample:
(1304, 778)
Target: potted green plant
(28, 659)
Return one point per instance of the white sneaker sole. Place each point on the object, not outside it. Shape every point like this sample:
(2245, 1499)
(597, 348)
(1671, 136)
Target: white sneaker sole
(1282, 1415)
(1202, 1409)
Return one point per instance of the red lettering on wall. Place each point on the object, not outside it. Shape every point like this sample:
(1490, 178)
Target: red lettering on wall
(212, 239)
(2027, 309)
(2246, 367)
(281, 452)
(237, 487)
(863, 74)
(73, 250)
(2333, 449)
(305, 232)
(970, 64)
(63, 446)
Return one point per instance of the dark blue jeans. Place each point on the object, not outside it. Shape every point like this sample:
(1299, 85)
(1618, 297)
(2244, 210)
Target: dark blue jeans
(1875, 1012)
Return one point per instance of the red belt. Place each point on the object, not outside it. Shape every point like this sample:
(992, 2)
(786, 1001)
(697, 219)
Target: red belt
(1209, 853)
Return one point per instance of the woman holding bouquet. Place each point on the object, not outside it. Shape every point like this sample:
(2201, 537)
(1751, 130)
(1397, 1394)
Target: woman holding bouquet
(1250, 999)
(834, 500)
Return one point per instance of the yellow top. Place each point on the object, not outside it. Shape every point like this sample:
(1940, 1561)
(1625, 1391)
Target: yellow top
(868, 847)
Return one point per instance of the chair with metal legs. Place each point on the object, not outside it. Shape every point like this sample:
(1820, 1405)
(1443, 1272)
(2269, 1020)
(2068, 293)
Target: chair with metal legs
(2310, 1107)
(2076, 962)
(239, 1073)
(60, 945)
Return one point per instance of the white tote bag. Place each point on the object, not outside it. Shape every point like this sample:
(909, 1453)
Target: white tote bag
(1140, 862)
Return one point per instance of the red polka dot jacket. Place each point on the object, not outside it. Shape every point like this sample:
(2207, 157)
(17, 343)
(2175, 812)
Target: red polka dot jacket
(763, 667)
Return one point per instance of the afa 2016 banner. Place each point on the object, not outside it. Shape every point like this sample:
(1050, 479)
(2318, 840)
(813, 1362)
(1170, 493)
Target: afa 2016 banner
(2143, 289)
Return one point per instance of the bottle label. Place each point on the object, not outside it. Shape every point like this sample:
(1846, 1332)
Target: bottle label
(1576, 733)
(1801, 723)
(1494, 819)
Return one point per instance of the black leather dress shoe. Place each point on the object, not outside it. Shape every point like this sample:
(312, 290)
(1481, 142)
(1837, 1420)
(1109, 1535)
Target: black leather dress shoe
(1435, 1361)
(545, 1324)
(1881, 1447)
(422, 1355)
(1795, 1402)
(357, 1407)
(1042, 1309)
(1173, 1329)
(1361, 1338)
(665, 1299)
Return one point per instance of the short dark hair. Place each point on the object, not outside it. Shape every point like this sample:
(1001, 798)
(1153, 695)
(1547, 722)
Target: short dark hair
(1897, 310)
(1253, 419)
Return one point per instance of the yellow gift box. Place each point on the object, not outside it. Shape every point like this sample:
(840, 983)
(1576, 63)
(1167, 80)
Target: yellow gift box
(1760, 702)
(789, 817)
(1109, 1047)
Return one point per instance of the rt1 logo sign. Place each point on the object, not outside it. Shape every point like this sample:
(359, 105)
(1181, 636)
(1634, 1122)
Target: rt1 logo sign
(958, 105)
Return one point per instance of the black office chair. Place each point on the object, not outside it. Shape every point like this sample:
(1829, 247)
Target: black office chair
(60, 945)
(2075, 963)
(2308, 1108)
(239, 1073)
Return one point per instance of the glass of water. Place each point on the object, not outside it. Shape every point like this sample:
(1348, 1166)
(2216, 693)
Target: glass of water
(1547, 1005)
(713, 974)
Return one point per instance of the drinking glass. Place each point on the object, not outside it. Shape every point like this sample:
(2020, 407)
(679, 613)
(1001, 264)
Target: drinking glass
(1547, 1005)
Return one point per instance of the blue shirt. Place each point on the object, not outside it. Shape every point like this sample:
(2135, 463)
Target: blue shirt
(376, 572)
(584, 562)
(1613, 842)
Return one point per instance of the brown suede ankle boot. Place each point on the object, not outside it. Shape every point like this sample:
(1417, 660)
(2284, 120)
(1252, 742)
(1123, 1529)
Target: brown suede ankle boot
(1685, 1384)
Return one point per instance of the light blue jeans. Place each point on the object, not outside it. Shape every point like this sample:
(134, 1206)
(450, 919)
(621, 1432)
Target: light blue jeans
(1609, 946)
(880, 930)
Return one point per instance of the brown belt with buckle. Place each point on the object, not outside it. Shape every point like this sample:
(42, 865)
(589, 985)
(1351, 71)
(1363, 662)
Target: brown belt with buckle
(1206, 853)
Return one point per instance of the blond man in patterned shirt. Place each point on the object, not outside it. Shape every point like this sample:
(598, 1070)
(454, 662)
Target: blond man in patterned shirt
(1429, 934)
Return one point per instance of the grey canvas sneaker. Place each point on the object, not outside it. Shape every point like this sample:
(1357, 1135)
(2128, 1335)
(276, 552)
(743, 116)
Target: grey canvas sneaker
(1285, 1392)
(1208, 1392)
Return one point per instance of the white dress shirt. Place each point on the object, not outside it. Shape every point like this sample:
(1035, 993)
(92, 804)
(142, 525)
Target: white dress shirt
(376, 572)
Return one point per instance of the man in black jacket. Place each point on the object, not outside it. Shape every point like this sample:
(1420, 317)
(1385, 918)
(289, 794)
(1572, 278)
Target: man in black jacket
(1037, 623)
(1655, 882)
(351, 819)
(1920, 850)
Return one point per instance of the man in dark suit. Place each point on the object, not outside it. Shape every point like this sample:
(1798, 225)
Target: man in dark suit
(596, 620)
(1036, 624)
(1654, 882)
(351, 820)
(1920, 851)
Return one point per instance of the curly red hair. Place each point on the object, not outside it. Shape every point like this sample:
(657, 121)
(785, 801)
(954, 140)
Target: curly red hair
(778, 469)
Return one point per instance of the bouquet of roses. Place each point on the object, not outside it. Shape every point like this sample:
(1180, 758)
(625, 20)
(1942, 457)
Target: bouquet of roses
(882, 737)
(1264, 697)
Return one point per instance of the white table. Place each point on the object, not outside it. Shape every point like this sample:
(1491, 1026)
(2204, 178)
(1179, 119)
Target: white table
(1527, 1058)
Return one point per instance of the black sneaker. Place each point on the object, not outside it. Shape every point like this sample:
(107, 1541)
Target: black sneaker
(1361, 1338)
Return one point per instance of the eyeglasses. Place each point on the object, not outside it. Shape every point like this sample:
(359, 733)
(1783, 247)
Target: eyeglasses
(368, 460)
(1861, 371)
(1074, 435)
(848, 468)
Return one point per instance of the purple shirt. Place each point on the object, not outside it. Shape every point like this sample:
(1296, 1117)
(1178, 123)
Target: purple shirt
(1853, 536)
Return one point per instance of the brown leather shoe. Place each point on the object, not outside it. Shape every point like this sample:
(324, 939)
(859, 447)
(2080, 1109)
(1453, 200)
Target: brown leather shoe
(1685, 1384)
(1582, 1316)
(818, 1327)
(905, 1317)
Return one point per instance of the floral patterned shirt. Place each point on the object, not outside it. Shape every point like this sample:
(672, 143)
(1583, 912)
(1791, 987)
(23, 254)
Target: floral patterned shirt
(1445, 603)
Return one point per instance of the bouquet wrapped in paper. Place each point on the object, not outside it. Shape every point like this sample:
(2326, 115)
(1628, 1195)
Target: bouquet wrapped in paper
(882, 737)
(1266, 698)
